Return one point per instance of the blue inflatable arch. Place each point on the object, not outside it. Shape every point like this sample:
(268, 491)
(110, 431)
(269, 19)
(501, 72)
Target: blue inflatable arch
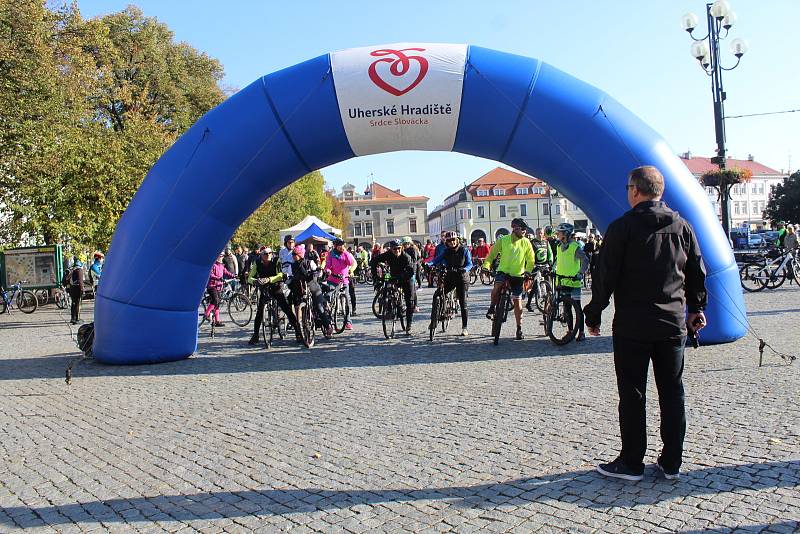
(513, 109)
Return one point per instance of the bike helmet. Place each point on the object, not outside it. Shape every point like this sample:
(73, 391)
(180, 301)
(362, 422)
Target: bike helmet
(265, 250)
(99, 255)
(451, 235)
(288, 238)
(406, 240)
(519, 222)
(393, 244)
(337, 242)
(300, 250)
(548, 230)
(566, 228)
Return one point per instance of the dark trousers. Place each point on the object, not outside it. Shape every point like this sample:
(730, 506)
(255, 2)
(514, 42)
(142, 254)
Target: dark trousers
(351, 287)
(282, 303)
(631, 360)
(75, 293)
(458, 282)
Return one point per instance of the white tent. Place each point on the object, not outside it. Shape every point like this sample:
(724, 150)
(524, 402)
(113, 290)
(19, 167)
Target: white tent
(305, 223)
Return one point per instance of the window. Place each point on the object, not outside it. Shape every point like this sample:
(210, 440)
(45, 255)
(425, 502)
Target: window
(412, 226)
(357, 229)
(762, 205)
(558, 209)
(483, 192)
(522, 190)
(755, 208)
(465, 213)
(366, 212)
(523, 210)
(761, 188)
(388, 211)
(481, 212)
(499, 192)
(754, 189)
(390, 227)
(545, 209)
(368, 228)
(736, 209)
(357, 213)
(413, 209)
(502, 210)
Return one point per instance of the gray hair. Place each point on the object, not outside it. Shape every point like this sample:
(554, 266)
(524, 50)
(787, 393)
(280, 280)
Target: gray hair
(648, 180)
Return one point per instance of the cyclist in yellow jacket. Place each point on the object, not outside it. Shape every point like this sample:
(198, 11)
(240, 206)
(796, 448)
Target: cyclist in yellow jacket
(516, 259)
(571, 264)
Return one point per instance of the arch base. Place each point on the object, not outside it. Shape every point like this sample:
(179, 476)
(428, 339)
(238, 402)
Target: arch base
(133, 344)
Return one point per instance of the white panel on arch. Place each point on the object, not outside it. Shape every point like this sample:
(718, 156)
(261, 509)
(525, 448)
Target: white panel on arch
(404, 96)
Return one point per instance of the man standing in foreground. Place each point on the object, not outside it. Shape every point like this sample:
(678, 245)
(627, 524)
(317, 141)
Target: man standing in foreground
(650, 261)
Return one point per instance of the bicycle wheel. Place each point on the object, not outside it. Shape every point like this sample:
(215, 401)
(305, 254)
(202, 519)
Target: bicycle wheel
(62, 299)
(341, 312)
(561, 323)
(749, 277)
(307, 325)
(279, 320)
(26, 301)
(774, 279)
(388, 318)
(264, 333)
(473, 277)
(239, 309)
(487, 278)
(448, 310)
(499, 316)
(543, 292)
(436, 307)
(377, 305)
(42, 296)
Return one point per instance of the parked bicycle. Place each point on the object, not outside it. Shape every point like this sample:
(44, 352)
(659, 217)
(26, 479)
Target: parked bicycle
(770, 271)
(562, 315)
(16, 296)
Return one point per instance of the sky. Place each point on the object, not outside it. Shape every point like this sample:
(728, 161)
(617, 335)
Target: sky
(635, 51)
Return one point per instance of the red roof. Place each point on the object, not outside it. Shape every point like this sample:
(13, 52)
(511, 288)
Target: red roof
(504, 179)
(383, 193)
(698, 165)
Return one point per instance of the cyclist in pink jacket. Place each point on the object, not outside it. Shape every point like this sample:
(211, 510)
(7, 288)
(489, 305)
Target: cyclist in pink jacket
(339, 265)
(214, 286)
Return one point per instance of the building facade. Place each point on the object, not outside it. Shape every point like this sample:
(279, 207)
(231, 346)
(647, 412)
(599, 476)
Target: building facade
(485, 208)
(748, 200)
(381, 214)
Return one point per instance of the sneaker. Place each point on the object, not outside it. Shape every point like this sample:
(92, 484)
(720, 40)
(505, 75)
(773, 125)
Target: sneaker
(618, 469)
(464, 332)
(668, 475)
(253, 340)
(520, 337)
(409, 330)
(348, 325)
(528, 307)
(219, 324)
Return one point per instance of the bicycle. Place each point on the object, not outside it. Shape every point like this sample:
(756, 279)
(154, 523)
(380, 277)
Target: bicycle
(774, 273)
(394, 308)
(561, 312)
(503, 306)
(274, 319)
(61, 298)
(380, 279)
(308, 319)
(24, 300)
(752, 264)
(542, 289)
(487, 276)
(239, 306)
(444, 306)
(474, 272)
(339, 305)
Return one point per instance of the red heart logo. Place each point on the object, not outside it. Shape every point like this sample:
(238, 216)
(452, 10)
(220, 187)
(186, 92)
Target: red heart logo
(400, 65)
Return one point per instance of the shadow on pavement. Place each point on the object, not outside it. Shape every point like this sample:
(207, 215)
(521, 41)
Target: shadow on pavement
(228, 352)
(585, 489)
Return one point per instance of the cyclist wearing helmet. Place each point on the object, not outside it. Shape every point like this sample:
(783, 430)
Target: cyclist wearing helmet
(550, 235)
(516, 258)
(571, 263)
(304, 269)
(410, 249)
(96, 270)
(401, 267)
(458, 261)
(339, 265)
(214, 286)
(266, 276)
(544, 258)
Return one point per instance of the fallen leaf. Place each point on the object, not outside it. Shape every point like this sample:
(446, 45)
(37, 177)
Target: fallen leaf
(774, 441)
(316, 455)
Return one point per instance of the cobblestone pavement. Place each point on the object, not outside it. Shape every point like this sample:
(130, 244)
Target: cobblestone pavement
(363, 435)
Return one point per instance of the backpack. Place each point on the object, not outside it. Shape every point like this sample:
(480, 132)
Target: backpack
(85, 339)
(66, 280)
(75, 276)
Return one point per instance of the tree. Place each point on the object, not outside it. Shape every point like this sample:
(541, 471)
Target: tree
(784, 201)
(86, 108)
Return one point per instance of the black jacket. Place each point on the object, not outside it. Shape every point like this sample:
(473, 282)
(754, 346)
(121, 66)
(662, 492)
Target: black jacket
(650, 261)
(401, 266)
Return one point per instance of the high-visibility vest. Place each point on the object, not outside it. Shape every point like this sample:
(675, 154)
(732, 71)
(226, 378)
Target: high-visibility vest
(568, 265)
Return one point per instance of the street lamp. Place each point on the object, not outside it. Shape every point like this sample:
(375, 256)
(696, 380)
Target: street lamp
(706, 50)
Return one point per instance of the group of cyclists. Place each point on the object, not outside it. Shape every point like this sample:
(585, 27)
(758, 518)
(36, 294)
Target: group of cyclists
(295, 271)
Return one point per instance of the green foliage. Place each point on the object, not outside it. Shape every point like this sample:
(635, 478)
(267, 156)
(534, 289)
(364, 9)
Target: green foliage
(784, 202)
(86, 108)
(287, 207)
(731, 176)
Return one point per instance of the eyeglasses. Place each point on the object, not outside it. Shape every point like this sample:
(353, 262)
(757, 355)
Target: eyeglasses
(629, 186)
(450, 240)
